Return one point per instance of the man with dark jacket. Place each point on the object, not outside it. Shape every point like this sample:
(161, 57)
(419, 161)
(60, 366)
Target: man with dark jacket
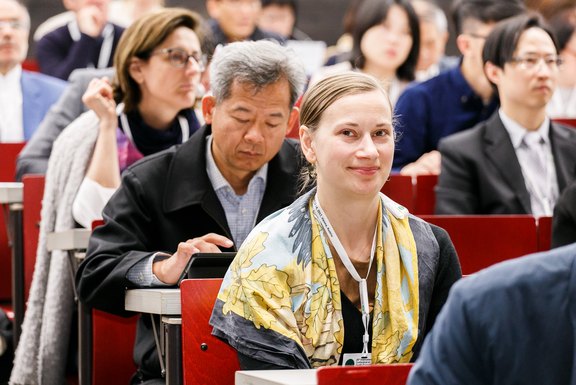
(205, 195)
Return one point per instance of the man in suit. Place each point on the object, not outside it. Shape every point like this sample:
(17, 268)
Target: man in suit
(88, 41)
(456, 99)
(33, 159)
(236, 20)
(204, 195)
(518, 161)
(513, 323)
(25, 97)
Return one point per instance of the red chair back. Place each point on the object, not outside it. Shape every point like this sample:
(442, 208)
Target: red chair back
(399, 188)
(8, 154)
(206, 359)
(32, 197)
(112, 348)
(483, 240)
(31, 65)
(424, 195)
(566, 121)
(396, 374)
(544, 233)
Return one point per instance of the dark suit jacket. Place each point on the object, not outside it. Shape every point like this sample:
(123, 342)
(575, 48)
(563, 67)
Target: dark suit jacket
(513, 323)
(564, 221)
(165, 199)
(481, 174)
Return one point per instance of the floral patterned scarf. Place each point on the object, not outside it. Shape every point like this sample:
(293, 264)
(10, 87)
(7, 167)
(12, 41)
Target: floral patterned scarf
(280, 300)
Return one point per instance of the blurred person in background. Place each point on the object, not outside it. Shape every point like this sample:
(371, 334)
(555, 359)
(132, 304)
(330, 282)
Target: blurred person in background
(433, 39)
(158, 67)
(386, 41)
(25, 97)
(89, 40)
(236, 20)
(563, 102)
(280, 16)
(456, 99)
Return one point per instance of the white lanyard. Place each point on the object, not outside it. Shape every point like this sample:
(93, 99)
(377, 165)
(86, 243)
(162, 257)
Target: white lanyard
(128, 132)
(362, 283)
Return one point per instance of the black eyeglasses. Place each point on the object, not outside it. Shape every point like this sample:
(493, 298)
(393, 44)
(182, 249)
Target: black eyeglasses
(533, 62)
(180, 58)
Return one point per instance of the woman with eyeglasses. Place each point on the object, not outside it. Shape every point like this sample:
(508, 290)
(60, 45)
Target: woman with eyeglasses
(147, 108)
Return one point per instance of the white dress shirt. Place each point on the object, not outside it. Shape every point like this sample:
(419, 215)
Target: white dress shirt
(11, 116)
(541, 180)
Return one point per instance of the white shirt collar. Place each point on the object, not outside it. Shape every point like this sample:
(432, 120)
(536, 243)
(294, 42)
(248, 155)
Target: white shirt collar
(216, 178)
(12, 78)
(517, 131)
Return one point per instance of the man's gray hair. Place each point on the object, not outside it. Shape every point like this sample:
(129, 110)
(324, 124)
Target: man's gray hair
(256, 64)
(430, 12)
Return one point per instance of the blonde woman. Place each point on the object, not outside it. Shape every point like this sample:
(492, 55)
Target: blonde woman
(344, 274)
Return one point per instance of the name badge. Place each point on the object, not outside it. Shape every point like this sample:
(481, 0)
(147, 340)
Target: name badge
(357, 359)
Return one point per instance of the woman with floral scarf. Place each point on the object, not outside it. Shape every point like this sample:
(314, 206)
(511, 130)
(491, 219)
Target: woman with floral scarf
(344, 275)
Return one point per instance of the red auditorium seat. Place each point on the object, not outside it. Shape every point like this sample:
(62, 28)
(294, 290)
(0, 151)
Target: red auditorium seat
(206, 359)
(32, 198)
(483, 240)
(424, 195)
(544, 233)
(399, 188)
(396, 374)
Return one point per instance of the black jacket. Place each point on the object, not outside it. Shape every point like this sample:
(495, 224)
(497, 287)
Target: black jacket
(481, 173)
(164, 199)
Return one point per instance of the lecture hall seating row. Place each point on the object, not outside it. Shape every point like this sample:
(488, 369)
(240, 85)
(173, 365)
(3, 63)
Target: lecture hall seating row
(107, 366)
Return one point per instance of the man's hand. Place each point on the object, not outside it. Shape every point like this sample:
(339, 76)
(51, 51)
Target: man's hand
(427, 164)
(169, 270)
(91, 20)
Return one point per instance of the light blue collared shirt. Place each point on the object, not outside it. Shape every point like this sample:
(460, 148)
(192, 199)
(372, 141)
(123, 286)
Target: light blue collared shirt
(241, 213)
(241, 210)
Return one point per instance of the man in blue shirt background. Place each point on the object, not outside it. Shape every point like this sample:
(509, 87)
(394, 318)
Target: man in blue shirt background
(454, 100)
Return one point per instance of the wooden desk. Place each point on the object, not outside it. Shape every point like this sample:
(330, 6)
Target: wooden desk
(163, 302)
(11, 198)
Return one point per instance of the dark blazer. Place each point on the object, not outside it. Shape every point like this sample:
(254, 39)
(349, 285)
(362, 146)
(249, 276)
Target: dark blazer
(564, 221)
(513, 323)
(58, 54)
(164, 199)
(481, 174)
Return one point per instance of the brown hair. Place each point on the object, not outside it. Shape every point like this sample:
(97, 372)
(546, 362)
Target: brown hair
(140, 40)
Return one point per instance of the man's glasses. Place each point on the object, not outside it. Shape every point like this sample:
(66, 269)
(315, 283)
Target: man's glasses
(533, 62)
(14, 24)
(180, 58)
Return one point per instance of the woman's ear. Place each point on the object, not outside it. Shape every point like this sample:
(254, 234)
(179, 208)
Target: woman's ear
(135, 70)
(306, 144)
